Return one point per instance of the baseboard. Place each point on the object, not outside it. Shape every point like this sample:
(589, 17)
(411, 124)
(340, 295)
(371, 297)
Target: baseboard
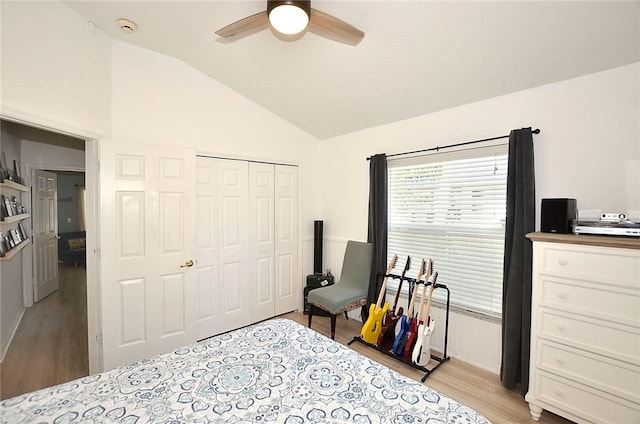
(6, 341)
(480, 364)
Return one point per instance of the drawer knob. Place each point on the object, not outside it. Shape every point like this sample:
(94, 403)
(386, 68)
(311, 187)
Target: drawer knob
(560, 360)
(562, 261)
(560, 326)
(562, 295)
(558, 393)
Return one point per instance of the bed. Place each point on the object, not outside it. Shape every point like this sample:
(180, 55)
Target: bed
(277, 371)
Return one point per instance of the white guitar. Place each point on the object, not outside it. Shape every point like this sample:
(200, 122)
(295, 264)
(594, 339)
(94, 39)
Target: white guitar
(422, 349)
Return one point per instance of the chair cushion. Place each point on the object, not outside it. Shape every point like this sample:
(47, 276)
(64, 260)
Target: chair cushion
(334, 298)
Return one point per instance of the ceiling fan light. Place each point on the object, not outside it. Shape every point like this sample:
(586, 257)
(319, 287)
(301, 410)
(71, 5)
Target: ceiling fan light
(289, 18)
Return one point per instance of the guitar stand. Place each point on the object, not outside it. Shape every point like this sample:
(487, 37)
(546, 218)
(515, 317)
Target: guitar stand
(439, 359)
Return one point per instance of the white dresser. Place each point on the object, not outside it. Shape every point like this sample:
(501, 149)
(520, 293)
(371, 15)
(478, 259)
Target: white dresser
(585, 328)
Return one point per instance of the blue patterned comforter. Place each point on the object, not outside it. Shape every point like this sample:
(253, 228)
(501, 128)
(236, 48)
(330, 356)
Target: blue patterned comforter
(273, 372)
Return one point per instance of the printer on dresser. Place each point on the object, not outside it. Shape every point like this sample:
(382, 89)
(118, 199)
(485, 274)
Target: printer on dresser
(585, 328)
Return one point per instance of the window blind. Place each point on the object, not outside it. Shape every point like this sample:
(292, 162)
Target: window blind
(451, 208)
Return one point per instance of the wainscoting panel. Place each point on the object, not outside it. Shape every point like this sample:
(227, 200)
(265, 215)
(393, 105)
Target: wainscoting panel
(332, 256)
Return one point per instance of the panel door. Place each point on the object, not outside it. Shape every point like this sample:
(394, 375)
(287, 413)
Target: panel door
(235, 297)
(261, 241)
(45, 233)
(207, 269)
(287, 280)
(147, 248)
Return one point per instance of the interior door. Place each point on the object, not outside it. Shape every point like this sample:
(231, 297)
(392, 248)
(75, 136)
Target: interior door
(287, 296)
(207, 269)
(261, 243)
(236, 283)
(45, 233)
(147, 250)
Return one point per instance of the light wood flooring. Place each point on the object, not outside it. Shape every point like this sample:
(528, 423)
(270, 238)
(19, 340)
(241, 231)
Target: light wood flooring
(472, 386)
(50, 347)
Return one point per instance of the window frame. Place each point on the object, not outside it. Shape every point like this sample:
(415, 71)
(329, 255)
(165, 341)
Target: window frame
(499, 152)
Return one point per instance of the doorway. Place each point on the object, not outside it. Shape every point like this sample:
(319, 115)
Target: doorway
(65, 311)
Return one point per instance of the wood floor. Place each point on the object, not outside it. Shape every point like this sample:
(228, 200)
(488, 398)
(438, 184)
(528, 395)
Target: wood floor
(472, 386)
(50, 347)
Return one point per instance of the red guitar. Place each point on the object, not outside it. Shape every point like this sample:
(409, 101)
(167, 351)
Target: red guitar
(412, 334)
(405, 324)
(388, 334)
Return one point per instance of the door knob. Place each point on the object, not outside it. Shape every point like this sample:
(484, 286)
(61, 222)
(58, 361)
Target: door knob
(57, 237)
(187, 264)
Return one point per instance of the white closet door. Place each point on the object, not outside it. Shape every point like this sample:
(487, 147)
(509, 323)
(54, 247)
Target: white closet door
(235, 281)
(147, 248)
(207, 270)
(261, 243)
(287, 293)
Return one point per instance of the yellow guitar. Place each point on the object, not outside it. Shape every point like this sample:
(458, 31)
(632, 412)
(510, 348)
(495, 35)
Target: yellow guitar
(373, 326)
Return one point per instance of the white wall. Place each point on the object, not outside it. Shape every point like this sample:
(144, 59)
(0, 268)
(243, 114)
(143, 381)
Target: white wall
(39, 155)
(11, 306)
(589, 149)
(54, 70)
(159, 100)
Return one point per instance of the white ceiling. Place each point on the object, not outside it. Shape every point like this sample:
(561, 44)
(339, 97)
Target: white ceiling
(417, 57)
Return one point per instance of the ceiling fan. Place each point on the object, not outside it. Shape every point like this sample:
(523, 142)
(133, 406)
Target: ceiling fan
(291, 18)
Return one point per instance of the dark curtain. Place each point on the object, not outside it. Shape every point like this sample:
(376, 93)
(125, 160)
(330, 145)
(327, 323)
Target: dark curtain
(377, 234)
(516, 290)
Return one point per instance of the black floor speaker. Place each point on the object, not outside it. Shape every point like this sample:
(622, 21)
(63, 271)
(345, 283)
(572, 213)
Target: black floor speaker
(317, 247)
(556, 215)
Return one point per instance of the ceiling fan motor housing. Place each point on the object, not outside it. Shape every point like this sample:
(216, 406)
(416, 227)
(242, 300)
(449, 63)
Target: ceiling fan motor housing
(304, 5)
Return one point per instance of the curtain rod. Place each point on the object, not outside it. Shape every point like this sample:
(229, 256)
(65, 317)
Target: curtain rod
(437, 148)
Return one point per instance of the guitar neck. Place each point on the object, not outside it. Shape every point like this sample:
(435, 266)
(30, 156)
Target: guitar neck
(432, 280)
(422, 299)
(395, 302)
(425, 277)
(381, 294)
(384, 283)
(415, 289)
(407, 266)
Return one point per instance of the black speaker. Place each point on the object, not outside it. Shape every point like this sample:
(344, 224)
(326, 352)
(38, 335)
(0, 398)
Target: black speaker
(556, 215)
(317, 247)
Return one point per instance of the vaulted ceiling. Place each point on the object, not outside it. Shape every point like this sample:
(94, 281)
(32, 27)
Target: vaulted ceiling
(417, 57)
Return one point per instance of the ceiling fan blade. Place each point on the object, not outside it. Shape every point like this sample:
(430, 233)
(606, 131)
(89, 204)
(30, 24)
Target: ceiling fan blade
(333, 28)
(251, 24)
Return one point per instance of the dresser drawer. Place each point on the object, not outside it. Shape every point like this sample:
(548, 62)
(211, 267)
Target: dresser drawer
(616, 341)
(612, 376)
(610, 303)
(608, 266)
(593, 405)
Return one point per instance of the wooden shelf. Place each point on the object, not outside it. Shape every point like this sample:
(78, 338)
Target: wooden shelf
(14, 218)
(14, 186)
(11, 253)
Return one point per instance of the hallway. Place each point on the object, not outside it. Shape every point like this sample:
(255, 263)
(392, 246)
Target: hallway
(50, 345)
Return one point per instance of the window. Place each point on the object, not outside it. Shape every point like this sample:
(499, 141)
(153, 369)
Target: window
(451, 207)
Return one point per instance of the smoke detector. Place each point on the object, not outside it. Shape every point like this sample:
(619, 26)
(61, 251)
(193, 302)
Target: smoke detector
(127, 25)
